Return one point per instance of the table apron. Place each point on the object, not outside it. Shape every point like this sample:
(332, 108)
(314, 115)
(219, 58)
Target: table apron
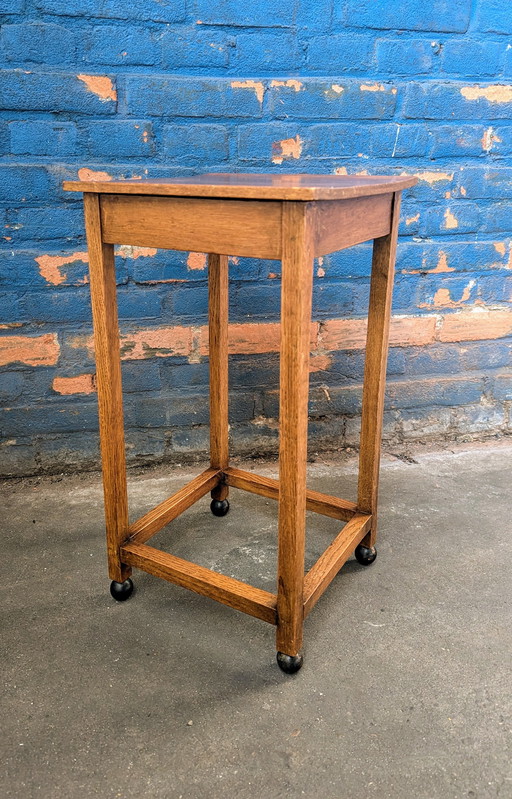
(227, 227)
(238, 227)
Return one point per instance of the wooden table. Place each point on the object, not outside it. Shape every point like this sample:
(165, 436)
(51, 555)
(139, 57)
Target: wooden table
(291, 218)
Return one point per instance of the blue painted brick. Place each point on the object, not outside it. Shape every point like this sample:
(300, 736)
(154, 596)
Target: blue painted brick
(260, 141)
(393, 140)
(37, 137)
(140, 376)
(49, 91)
(189, 301)
(191, 439)
(343, 99)
(456, 141)
(493, 16)
(462, 289)
(437, 16)
(488, 182)
(332, 140)
(11, 386)
(500, 138)
(453, 132)
(131, 44)
(12, 6)
(353, 263)
(339, 400)
(178, 409)
(196, 142)
(9, 307)
(19, 184)
(471, 57)
(5, 147)
(194, 48)
(267, 51)
(431, 360)
(347, 365)
(190, 97)
(178, 374)
(263, 141)
(410, 216)
(65, 305)
(50, 417)
(164, 267)
(120, 138)
(234, 13)
(43, 43)
(507, 62)
(460, 256)
(151, 10)
(47, 224)
(313, 16)
(248, 301)
(404, 56)
(497, 217)
(139, 303)
(484, 355)
(144, 446)
(454, 101)
(332, 299)
(495, 289)
(454, 217)
(250, 268)
(256, 371)
(339, 53)
(18, 268)
(502, 389)
(444, 391)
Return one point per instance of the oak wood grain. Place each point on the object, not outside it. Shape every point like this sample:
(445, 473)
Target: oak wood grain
(374, 384)
(108, 377)
(218, 362)
(231, 227)
(253, 186)
(227, 590)
(343, 223)
(331, 561)
(317, 502)
(296, 294)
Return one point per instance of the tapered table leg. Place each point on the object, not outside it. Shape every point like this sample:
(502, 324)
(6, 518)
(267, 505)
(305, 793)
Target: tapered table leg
(218, 358)
(108, 376)
(296, 292)
(379, 312)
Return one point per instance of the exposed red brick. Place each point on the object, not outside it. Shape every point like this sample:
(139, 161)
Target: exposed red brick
(32, 350)
(160, 342)
(81, 384)
(196, 260)
(319, 363)
(50, 265)
(350, 334)
(254, 338)
(476, 325)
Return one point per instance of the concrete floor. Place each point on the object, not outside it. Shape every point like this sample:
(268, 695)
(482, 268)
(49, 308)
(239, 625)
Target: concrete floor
(405, 689)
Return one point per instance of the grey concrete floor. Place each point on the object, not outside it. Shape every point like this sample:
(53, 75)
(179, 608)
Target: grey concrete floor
(405, 689)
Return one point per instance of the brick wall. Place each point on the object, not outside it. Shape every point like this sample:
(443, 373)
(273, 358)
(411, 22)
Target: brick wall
(166, 87)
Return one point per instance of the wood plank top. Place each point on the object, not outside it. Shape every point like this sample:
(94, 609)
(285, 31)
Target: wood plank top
(252, 186)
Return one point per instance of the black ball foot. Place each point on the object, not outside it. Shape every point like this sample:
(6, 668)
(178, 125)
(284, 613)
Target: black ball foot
(289, 663)
(121, 591)
(219, 507)
(365, 555)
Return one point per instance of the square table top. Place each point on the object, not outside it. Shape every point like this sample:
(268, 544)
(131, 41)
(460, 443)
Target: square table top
(257, 186)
